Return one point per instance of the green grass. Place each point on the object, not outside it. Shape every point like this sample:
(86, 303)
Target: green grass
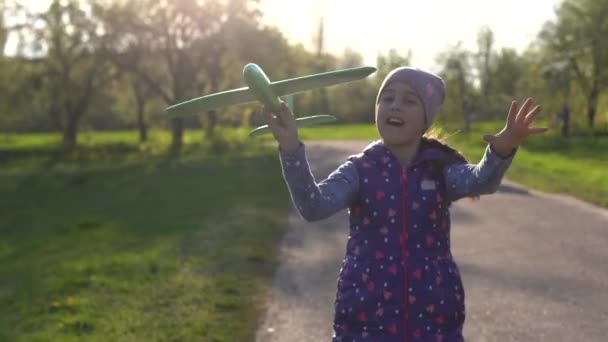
(574, 166)
(119, 242)
(157, 139)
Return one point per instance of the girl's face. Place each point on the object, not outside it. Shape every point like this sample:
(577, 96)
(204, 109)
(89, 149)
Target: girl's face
(400, 115)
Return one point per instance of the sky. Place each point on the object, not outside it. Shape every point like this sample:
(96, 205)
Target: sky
(425, 27)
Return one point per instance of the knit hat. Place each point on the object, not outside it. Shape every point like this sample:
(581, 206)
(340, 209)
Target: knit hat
(428, 86)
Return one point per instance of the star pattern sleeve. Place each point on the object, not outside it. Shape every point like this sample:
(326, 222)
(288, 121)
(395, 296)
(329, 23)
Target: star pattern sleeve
(317, 201)
(463, 180)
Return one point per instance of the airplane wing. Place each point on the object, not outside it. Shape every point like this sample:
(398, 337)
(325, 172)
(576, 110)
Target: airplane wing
(209, 102)
(279, 88)
(300, 122)
(299, 84)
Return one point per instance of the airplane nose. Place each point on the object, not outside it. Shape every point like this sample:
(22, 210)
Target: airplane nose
(251, 68)
(259, 85)
(252, 73)
(255, 76)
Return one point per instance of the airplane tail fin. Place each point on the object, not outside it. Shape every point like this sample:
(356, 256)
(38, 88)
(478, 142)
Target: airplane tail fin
(289, 100)
(300, 122)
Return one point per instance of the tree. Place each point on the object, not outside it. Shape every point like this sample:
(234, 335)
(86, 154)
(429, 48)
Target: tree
(175, 36)
(456, 63)
(125, 50)
(239, 41)
(167, 33)
(350, 59)
(355, 99)
(507, 73)
(3, 29)
(485, 42)
(74, 70)
(386, 63)
(577, 39)
(142, 94)
(320, 95)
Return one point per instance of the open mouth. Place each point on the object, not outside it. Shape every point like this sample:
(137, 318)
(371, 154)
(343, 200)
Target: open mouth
(393, 121)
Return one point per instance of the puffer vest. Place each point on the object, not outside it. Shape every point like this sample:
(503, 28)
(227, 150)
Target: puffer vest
(398, 280)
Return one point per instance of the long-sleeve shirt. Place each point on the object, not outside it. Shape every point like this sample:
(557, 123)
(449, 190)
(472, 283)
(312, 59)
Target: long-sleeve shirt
(316, 201)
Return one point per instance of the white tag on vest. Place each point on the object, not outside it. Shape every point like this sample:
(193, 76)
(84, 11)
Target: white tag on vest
(427, 184)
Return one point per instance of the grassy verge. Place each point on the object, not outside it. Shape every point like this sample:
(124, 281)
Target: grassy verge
(118, 242)
(575, 166)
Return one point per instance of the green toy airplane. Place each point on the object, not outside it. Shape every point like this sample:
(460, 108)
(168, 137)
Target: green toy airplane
(261, 89)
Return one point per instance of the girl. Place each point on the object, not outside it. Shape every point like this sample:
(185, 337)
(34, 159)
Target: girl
(398, 280)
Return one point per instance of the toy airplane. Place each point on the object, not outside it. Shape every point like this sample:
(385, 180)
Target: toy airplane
(261, 89)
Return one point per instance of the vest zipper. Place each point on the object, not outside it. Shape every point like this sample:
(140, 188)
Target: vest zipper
(404, 250)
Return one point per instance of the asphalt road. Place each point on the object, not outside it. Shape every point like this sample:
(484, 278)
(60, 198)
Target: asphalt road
(534, 265)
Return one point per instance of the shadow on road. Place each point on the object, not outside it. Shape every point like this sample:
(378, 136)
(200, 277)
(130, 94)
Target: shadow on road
(508, 189)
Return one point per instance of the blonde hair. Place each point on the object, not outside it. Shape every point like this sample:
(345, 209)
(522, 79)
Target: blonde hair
(435, 138)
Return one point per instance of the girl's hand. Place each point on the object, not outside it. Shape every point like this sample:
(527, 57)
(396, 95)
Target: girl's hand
(283, 127)
(517, 128)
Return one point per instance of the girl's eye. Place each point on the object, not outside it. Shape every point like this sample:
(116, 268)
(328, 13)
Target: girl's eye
(411, 101)
(388, 99)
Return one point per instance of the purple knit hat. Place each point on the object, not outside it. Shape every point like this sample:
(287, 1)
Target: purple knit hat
(428, 86)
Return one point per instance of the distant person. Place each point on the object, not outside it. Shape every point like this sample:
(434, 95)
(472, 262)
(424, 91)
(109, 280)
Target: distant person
(565, 117)
(398, 280)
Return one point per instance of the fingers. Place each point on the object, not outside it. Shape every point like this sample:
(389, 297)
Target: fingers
(271, 119)
(489, 138)
(285, 114)
(524, 110)
(512, 112)
(530, 117)
(285, 108)
(537, 130)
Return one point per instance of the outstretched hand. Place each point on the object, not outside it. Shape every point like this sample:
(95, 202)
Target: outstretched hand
(517, 128)
(283, 127)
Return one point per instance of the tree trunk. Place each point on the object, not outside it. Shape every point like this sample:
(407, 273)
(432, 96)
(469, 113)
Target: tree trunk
(141, 124)
(592, 105)
(141, 119)
(140, 99)
(78, 110)
(70, 133)
(177, 136)
(180, 94)
(211, 122)
(465, 105)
